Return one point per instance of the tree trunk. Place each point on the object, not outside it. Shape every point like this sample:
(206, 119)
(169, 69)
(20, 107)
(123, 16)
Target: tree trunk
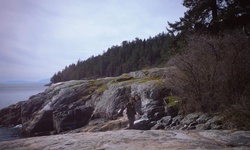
(214, 21)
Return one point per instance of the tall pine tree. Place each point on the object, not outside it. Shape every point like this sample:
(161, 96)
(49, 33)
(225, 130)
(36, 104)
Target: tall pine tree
(212, 15)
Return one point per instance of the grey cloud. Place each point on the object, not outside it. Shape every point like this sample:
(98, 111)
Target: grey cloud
(41, 37)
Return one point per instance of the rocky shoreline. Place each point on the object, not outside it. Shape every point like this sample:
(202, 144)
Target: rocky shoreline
(92, 106)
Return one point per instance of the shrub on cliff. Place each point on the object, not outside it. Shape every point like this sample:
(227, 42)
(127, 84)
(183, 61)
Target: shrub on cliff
(216, 73)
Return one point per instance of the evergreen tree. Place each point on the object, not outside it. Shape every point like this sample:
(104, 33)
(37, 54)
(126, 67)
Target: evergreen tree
(130, 56)
(212, 15)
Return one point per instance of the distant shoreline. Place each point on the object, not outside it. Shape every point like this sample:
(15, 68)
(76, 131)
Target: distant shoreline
(44, 81)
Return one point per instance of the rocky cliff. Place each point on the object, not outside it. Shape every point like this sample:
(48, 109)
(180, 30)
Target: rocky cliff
(92, 105)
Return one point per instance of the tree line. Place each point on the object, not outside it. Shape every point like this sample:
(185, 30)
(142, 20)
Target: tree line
(129, 56)
(213, 16)
(202, 17)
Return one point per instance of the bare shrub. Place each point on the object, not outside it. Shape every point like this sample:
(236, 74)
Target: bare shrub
(217, 73)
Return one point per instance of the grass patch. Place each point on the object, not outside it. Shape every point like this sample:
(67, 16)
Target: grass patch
(172, 100)
(97, 85)
(154, 78)
(114, 82)
(75, 85)
(160, 83)
(150, 79)
(101, 88)
(124, 78)
(143, 81)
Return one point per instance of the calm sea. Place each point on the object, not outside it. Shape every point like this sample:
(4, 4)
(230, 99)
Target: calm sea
(11, 94)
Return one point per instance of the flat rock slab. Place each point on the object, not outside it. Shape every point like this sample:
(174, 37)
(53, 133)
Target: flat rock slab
(135, 140)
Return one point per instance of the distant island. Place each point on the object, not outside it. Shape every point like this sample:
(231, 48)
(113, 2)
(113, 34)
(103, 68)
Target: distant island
(46, 81)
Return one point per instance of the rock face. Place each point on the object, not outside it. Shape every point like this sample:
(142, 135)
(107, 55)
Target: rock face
(74, 119)
(136, 139)
(73, 104)
(91, 105)
(11, 116)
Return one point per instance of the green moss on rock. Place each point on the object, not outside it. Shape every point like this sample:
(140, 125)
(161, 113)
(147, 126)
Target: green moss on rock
(172, 100)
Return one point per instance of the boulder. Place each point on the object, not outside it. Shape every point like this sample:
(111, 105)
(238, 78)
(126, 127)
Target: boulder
(39, 109)
(165, 121)
(41, 124)
(112, 99)
(69, 120)
(171, 111)
(176, 120)
(202, 127)
(190, 118)
(142, 124)
(158, 126)
(30, 108)
(11, 116)
(203, 118)
(214, 123)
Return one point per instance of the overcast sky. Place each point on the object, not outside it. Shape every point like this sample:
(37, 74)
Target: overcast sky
(40, 37)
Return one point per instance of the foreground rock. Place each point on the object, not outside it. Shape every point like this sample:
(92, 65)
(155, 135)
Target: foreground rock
(136, 139)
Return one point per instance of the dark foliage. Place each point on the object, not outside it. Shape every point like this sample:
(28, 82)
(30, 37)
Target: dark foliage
(129, 56)
(216, 74)
(212, 16)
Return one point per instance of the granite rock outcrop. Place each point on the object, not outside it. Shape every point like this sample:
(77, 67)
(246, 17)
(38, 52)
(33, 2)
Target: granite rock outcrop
(73, 104)
(93, 105)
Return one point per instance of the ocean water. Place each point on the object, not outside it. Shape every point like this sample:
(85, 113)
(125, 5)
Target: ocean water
(11, 94)
(8, 134)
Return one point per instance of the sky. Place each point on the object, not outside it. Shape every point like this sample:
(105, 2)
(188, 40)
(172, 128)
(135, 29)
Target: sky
(40, 37)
